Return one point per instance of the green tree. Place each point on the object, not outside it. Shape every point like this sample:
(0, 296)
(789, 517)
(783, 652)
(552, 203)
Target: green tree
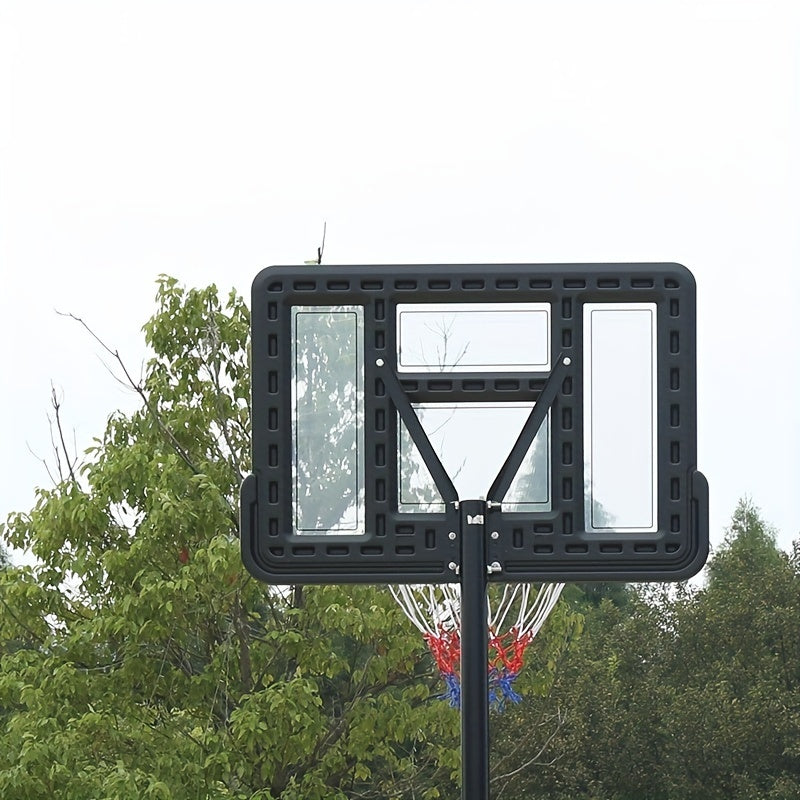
(608, 697)
(145, 662)
(524, 737)
(737, 668)
(683, 692)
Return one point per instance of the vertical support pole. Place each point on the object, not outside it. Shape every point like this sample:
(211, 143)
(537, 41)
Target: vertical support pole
(474, 646)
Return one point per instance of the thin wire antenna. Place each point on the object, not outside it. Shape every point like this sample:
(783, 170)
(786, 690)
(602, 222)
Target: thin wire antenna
(321, 248)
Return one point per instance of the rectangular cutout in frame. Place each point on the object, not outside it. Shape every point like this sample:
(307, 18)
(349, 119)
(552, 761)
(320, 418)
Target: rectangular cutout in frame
(472, 440)
(328, 419)
(620, 420)
(473, 337)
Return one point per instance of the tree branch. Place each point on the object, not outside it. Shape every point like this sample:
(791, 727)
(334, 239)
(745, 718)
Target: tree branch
(60, 429)
(137, 387)
(561, 718)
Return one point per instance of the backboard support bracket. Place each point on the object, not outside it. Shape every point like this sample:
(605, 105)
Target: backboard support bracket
(500, 485)
(410, 419)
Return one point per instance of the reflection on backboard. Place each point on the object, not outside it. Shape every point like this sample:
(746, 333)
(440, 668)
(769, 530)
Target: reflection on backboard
(328, 419)
(469, 337)
(472, 441)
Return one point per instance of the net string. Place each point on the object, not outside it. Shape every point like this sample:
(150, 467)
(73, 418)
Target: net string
(434, 609)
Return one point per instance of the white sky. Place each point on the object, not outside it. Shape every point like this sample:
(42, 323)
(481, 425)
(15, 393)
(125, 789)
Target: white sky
(210, 139)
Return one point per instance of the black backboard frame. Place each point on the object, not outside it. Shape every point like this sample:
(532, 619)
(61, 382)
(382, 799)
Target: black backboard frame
(421, 548)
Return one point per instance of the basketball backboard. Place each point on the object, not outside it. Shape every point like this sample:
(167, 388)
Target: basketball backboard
(562, 395)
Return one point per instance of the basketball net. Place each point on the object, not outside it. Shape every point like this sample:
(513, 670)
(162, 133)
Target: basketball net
(435, 609)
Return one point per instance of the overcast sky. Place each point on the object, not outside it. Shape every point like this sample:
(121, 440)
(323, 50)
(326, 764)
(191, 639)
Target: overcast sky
(210, 139)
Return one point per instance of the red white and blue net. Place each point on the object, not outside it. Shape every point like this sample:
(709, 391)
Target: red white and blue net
(435, 609)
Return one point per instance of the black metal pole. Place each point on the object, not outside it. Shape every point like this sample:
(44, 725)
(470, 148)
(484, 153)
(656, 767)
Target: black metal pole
(474, 645)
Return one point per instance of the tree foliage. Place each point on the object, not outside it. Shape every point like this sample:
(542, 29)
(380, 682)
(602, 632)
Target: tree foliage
(138, 660)
(681, 692)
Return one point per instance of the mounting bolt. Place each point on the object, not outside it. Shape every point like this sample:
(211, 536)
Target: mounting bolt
(567, 361)
(379, 362)
(493, 504)
(495, 566)
(453, 566)
(495, 535)
(451, 535)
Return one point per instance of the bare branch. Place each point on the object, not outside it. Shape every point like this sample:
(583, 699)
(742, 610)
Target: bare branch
(44, 462)
(560, 719)
(60, 429)
(61, 452)
(137, 387)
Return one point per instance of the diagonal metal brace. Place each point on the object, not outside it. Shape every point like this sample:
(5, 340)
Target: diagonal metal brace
(420, 438)
(497, 491)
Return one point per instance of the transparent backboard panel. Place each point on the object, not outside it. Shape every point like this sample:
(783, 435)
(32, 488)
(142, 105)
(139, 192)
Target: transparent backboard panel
(470, 337)
(328, 419)
(473, 441)
(620, 416)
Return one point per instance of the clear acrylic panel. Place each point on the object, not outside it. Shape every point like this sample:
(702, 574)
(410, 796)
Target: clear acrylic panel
(620, 416)
(471, 337)
(328, 419)
(473, 441)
